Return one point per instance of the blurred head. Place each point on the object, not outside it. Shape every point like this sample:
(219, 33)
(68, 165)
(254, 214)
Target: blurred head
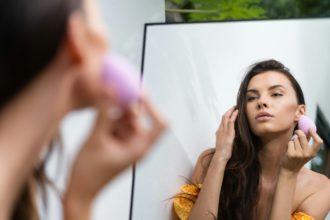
(58, 40)
(37, 36)
(272, 99)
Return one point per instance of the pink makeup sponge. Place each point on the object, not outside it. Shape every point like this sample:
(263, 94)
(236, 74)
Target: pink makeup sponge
(305, 123)
(122, 77)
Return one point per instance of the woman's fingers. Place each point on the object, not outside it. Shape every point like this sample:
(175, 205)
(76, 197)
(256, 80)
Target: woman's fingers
(299, 151)
(159, 123)
(231, 122)
(224, 118)
(303, 140)
(107, 115)
(226, 131)
(317, 141)
(297, 146)
(291, 149)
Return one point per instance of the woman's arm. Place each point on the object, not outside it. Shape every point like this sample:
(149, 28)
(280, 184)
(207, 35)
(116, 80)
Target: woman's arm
(299, 152)
(76, 207)
(114, 145)
(206, 205)
(317, 204)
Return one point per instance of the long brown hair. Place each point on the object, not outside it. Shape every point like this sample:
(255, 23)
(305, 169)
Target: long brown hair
(31, 33)
(26, 206)
(240, 187)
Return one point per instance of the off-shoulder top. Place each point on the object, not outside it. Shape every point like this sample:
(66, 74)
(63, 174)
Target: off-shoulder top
(185, 200)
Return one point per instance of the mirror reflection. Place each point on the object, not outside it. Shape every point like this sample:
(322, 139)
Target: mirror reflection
(250, 161)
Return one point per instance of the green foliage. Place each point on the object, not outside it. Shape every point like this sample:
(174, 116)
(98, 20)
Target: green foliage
(296, 8)
(280, 8)
(205, 10)
(228, 10)
(178, 2)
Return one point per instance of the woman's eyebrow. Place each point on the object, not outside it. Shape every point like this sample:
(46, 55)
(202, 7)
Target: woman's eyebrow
(252, 90)
(270, 88)
(276, 86)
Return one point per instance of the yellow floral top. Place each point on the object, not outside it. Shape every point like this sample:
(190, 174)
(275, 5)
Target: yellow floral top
(184, 202)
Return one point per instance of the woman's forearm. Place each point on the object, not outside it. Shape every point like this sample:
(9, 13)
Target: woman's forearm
(76, 208)
(284, 194)
(206, 205)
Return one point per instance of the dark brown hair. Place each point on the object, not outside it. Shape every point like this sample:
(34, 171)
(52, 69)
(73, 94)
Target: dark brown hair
(240, 187)
(31, 33)
(26, 206)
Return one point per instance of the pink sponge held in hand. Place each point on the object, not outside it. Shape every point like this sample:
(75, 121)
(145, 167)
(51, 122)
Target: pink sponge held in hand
(305, 123)
(122, 77)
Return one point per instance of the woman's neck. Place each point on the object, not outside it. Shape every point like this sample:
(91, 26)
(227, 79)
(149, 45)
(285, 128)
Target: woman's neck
(27, 124)
(273, 150)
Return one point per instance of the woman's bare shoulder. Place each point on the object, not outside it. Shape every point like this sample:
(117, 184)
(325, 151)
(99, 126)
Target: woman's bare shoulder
(316, 190)
(202, 165)
(313, 180)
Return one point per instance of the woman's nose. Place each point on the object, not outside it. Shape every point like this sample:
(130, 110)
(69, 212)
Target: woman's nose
(261, 104)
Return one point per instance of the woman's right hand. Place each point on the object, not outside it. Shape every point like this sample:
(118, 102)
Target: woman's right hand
(114, 144)
(225, 135)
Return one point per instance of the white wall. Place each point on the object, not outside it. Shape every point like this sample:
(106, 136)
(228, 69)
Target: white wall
(125, 21)
(193, 71)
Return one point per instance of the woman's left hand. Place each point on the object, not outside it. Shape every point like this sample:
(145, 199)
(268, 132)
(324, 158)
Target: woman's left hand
(300, 151)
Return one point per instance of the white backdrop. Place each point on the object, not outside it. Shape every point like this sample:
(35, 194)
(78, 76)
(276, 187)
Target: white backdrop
(193, 72)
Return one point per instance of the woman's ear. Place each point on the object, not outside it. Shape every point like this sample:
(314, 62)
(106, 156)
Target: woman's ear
(76, 38)
(300, 111)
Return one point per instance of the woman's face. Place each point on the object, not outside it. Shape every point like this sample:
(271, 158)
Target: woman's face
(272, 105)
(90, 41)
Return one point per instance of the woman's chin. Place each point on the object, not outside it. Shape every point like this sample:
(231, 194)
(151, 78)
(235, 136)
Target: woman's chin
(264, 130)
(269, 132)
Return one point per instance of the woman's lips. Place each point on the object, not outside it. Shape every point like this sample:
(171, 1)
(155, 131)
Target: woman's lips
(263, 116)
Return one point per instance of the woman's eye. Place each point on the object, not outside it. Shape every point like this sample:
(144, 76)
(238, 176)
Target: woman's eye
(277, 94)
(251, 98)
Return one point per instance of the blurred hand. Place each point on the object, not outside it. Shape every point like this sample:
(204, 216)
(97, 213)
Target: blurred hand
(116, 142)
(300, 151)
(225, 135)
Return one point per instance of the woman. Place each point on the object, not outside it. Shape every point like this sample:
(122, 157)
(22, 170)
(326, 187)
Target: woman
(50, 61)
(256, 169)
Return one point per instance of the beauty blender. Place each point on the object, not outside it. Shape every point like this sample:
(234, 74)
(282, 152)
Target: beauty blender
(123, 77)
(305, 123)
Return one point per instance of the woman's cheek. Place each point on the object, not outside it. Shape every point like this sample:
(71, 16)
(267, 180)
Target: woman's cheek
(286, 117)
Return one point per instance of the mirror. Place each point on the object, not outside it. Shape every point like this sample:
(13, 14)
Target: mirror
(193, 71)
